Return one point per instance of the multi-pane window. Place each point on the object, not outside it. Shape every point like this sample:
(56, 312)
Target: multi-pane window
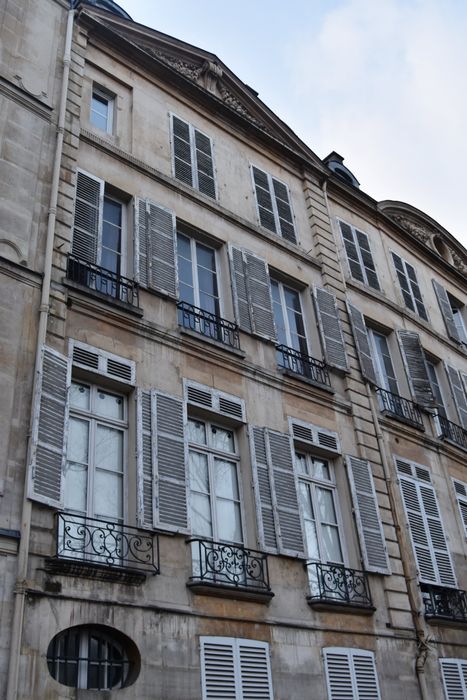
(461, 494)
(436, 388)
(110, 253)
(102, 109)
(409, 286)
(360, 259)
(382, 361)
(273, 202)
(288, 317)
(457, 314)
(351, 674)
(197, 274)
(192, 157)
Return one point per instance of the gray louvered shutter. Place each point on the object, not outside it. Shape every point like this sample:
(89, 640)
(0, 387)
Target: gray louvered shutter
(156, 246)
(461, 495)
(88, 217)
(330, 328)
(351, 252)
(446, 311)
(255, 672)
(262, 479)
(362, 343)
(145, 459)
(141, 242)
(454, 673)
(367, 259)
(284, 210)
(458, 393)
(369, 525)
(403, 281)
(259, 293)
(351, 674)
(50, 427)
(415, 365)
(204, 164)
(183, 168)
(240, 289)
(219, 676)
(264, 199)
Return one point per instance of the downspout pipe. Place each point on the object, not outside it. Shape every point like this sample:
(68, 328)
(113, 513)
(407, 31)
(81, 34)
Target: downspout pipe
(25, 526)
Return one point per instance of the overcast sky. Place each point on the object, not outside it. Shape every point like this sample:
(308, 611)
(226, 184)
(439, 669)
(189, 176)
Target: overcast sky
(382, 82)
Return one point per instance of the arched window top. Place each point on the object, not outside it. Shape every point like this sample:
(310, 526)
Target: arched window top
(93, 657)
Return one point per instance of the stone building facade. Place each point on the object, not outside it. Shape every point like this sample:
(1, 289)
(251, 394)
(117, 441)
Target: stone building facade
(235, 420)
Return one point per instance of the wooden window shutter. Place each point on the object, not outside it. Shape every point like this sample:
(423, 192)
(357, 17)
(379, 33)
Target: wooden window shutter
(367, 259)
(145, 459)
(156, 247)
(252, 293)
(330, 328)
(461, 495)
(351, 252)
(183, 168)
(403, 281)
(263, 486)
(88, 217)
(284, 210)
(446, 311)
(454, 674)
(255, 672)
(264, 199)
(369, 525)
(240, 289)
(415, 365)
(204, 164)
(362, 343)
(351, 674)
(458, 393)
(50, 427)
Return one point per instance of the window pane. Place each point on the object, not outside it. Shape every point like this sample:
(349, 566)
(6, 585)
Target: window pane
(109, 448)
(305, 500)
(78, 441)
(196, 432)
(331, 542)
(327, 512)
(320, 469)
(222, 439)
(225, 478)
(199, 477)
(100, 112)
(300, 463)
(79, 396)
(108, 495)
(183, 246)
(201, 515)
(228, 521)
(206, 257)
(109, 405)
(75, 492)
(185, 271)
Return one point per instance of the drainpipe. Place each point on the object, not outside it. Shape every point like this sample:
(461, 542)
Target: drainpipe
(25, 527)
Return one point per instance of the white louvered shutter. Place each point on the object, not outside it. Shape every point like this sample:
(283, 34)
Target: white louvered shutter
(461, 496)
(458, 393)
(284, 210)
(330, 328)
(362, 343)
(369, 525)
(88, 217)
(255, 673)
(415, 365)
(268, 537)
(251, 291)
(183, 167)
(360, 259)
(204, 164)
(454, 673)
(409, 286)
(264, 199)
(156, 246)
(240, 289)
(351, 674)
(50, 427)
(145, 459)
(141, 257)
(446, 311)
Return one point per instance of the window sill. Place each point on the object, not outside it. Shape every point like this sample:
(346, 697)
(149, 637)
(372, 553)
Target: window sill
(98, 572)
(339, 606)
(105, 298)
(211, 341)
(220, 590)
(306, 380)
(401, 419)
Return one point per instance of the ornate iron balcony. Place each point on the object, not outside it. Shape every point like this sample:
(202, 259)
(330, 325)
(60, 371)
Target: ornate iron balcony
(301, 363)
(102, 280)
(451, 431)
(121, 552)
(336, 585)
(216, 563)
(208, 324)
(398, 407)
(444, 603)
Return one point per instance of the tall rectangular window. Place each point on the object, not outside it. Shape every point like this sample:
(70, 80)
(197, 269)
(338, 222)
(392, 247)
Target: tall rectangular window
(273, 202)
(102, 109)
(360, 259)
(409, 286)
(436, 388)
(193, 157)
(382, 361)
(197, 274)
(458, 315)
(288, 317)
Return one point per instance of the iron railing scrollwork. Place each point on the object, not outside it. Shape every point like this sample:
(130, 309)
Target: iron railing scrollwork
(208, 324)
(301, 363)
(108, 544)
(398, 407)
(229, 564)
(451, 431)
(444, 603)
(101, 280)
(334, 583)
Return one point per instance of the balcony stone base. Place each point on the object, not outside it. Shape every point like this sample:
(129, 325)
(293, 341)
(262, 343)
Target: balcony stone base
(100, 572)
(223, 590)
(327, 605)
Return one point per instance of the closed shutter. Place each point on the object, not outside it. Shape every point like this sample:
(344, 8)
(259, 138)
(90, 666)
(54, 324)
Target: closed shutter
(204, 164)
(369, 525)
(415, 365)
(359, 257)
(240, 289)
(255, 673)
(330, 328)
(409, 286)
(351, 674)
(454, 673)
(367, 259)
(156, 247)
(183, 169)
(264, 199)
(446, 311)
(284, 210)
(362, 343)
(403, 281)
(461, 495)
(145, 459)
(262, 478)
(252, 293)
(49, 431)
(351, 252)
(458, 393)
(88, 217)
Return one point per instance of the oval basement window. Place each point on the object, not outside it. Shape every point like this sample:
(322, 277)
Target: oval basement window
(93, 657)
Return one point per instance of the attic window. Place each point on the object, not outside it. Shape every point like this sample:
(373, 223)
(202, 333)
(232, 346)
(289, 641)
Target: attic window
(345, 176)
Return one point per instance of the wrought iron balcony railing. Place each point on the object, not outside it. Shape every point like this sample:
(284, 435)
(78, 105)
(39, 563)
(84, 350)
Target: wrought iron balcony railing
(301, 363)
(451, 431)
(83, 541)
(398, 407)
(336, 584)
(444, 603)
(102, 280)
(216, 563)
(208, 324)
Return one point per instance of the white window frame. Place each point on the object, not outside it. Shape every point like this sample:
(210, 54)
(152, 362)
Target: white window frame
(281, 286)
(356, 243)
(461, 498)
(103, 94)
(458, 315)
(124, 233)
(194, 268)
(275, 211)
(194, 158)
(350, 655)
(409, 283)
(380, 370)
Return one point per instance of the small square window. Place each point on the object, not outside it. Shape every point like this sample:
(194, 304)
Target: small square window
(102, 108)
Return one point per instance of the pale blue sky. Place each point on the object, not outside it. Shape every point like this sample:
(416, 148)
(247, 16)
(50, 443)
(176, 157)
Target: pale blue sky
(382, 82)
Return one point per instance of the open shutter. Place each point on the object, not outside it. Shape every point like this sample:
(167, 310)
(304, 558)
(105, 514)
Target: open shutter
(255, 672)
(362, 343)
(446, 311)
(369, 525)
(88, 212)
(415, 365)
(264, 199)
(204, 164)
(461, 495)
(49, 432)
(458, 393)
(454, 672)
(351, 674)
(240, 289)
(145, 459)
(330, 328)
(252, 293)
(262, 479)
(141, 254)
(155, 231)
(183, 169)
(284, 210)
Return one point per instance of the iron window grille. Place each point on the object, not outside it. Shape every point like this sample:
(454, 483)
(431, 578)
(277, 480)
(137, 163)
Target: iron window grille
(444, 603)
(451, 431)
(101, 280)
(397, 407)
(337, 584)
(208, 324)
(304, 365)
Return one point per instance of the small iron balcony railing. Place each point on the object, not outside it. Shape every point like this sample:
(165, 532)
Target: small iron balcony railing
(94, 541)
(102, 280)
(444, 603)
(208, 324)
(336, 584)
(398, 407)
(301, 363)
(451, 431)
(230, 565)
